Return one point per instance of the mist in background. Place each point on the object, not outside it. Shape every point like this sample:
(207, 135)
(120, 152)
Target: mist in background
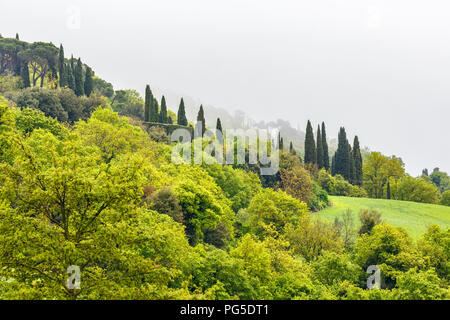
(379, 68)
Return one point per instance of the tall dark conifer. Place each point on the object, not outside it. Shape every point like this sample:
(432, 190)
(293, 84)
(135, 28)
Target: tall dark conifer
(357, 160)
(79, 86)
(25, 75)
(163, 113)
(70, 76)
(326, 155)
(319, 149)
(201, 120)
(343, 159)
(154, 114)
(181, 116)
(61, 65)
(219, 125)
(333, 165)
(148, 106)
(310, 145)
(88, 82)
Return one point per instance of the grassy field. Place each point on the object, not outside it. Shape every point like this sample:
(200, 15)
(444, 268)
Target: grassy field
(414, 217)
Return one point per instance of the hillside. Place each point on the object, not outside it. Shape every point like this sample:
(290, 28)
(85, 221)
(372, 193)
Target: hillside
(413, 216)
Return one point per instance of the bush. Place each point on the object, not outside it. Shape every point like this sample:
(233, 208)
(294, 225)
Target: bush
(445, 198)
(166, 202)
(369, 219)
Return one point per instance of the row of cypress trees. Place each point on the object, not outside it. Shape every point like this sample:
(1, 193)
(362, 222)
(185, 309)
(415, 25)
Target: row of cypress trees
(347, 161)
(316, 151)
(152, 112)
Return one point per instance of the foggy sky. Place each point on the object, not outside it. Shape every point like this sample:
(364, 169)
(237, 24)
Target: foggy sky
(379, 68)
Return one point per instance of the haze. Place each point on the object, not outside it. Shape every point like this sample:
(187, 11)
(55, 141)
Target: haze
(379, 68)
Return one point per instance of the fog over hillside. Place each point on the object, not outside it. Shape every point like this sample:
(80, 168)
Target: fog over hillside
(379, 68)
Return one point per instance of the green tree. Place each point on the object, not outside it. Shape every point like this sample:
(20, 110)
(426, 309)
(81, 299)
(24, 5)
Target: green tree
(70, 76)
(181, 116)
(201, 121)
(326, 156)
(62, 71)
(357, 160)
(320, 152)
(219, 125)
(25, 75)
(310, 146)
(88, 82)
(148, 103)
(445, 198)
(78, 75)
(163, 113)
(343, 160)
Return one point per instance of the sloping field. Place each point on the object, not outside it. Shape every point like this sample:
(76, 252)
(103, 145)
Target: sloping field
(414, 217)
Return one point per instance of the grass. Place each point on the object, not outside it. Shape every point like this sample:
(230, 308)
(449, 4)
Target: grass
(412, 216)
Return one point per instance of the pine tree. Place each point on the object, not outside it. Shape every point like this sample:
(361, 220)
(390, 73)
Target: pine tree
(182, 120)
(62, 72)
(25, 75)
(357, 160)
(310, 145)
(201, 120)
(79, 87)
(148, 103)
(70, 77)
(326, 156)
(319, 149)
(219, 125)
(163, 114)
(88, 83)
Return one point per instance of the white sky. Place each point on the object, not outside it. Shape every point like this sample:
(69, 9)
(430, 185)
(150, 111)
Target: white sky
(379, 68)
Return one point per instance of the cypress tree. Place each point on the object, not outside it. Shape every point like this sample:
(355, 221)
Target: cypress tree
(357, 160)
(326, 156)
(310, 145)
(281, 143)
(25, 75)
(388, 191)
(17, 36)
(70, 77)
(62, 72)
(163, 114)
(319, 149)
(351, 165)
(333, 165)
(79, 87)
(148, 103)
(88, 83)
(169, 120)
(341, 157)
(182, 120)
(219, 125)
(201, 119)
(291, 148)
(154, 114)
